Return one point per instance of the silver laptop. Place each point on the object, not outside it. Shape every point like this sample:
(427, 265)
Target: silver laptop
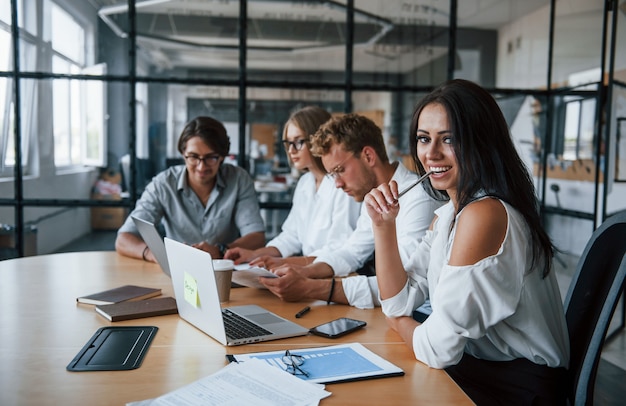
(198, 303)
(153, 239)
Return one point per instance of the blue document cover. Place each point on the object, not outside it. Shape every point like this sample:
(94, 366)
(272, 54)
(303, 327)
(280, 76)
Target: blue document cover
(332, 364)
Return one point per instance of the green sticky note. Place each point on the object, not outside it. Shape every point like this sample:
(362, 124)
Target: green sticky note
(191, 290)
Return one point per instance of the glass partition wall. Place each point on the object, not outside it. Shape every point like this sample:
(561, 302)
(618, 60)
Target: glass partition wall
(93, 95)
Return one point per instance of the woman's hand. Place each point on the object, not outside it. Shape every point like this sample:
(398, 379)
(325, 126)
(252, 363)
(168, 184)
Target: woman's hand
(404, 326)
(382, 203)
(268, 262)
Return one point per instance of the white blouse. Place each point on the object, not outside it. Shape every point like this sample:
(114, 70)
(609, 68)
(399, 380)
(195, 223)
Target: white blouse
(319, 220)
(497, 309)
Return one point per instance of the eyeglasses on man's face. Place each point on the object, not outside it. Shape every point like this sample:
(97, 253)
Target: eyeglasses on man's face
(195, 160)
(297, 144)
(339, 169)
(293, 362)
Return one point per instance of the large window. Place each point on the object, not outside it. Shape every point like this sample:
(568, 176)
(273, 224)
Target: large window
(101, 84)
(7, 94)
(6, 105)
(579, 129)
(78, 106)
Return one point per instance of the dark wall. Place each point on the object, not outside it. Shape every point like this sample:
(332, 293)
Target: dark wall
(113, 51)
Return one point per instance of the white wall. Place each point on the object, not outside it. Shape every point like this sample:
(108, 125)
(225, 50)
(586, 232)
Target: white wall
(525, 67)
(366, 101)
(58, 225)
(577, 44)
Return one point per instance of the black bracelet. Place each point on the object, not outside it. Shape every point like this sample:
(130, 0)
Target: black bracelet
(143, 254)
(222, 248)
(332, 290)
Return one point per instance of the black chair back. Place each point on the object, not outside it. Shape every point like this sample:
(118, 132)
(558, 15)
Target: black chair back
(145, 172)
(590, 303)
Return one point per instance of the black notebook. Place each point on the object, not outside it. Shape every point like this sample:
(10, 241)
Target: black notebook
(137, 309)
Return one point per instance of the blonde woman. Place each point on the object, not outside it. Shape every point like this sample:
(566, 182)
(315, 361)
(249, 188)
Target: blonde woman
(321, 216)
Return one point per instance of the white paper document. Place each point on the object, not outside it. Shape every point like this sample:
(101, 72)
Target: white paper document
(251, 383)
(246, 275)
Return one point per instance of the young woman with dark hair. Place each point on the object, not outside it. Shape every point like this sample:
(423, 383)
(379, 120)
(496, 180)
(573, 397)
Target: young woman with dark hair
(497, 325)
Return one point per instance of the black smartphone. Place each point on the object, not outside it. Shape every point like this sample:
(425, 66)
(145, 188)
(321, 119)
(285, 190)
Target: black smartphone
(338, 327)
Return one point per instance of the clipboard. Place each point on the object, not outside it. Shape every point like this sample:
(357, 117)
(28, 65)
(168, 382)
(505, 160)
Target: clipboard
(114, 349)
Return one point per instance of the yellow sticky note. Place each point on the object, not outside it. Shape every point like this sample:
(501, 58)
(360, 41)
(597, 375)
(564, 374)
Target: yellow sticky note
(191, 290)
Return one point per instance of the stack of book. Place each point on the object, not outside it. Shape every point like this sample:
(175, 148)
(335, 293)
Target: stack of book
(130, 302)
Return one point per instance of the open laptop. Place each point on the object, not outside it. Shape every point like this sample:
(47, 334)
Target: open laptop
(198, 303)
(153, 239)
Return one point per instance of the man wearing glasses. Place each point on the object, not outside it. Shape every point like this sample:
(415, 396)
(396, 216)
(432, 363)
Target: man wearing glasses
(353, 152)
(206, 203)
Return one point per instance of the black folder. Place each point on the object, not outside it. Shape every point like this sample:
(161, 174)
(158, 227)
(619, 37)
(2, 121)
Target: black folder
(114, 349)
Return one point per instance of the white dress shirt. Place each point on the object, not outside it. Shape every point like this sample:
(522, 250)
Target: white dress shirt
(497, 309)
(320, 220)
(416, 213)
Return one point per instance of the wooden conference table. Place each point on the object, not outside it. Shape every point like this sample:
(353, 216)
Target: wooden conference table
(42, 328)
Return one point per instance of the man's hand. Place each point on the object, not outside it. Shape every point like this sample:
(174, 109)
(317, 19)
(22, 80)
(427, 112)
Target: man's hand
(149, 256)
(290, 286)
(239, 255)
(210, 248)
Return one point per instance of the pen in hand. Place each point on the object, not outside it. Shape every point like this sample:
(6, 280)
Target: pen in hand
(302, 312)
(420, 180)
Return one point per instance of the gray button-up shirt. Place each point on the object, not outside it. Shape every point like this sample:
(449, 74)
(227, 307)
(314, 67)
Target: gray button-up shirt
(232, 210)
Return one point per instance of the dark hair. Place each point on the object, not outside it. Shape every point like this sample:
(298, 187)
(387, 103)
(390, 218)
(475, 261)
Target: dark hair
(486, 156)
(354, 132)
(308, 119)
(210, 130)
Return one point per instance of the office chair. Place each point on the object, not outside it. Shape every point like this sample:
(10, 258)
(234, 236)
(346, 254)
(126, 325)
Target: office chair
(145, 172)
(590, 303)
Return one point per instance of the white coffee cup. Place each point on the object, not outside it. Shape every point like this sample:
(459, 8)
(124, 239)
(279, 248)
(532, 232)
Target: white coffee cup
(223, 276)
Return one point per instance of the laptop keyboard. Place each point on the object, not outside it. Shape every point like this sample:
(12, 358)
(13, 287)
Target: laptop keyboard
(237, 327)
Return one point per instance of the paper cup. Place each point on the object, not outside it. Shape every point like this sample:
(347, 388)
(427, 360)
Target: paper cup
(223, 276)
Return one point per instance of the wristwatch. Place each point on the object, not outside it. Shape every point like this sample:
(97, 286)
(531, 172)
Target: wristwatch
(223, 248)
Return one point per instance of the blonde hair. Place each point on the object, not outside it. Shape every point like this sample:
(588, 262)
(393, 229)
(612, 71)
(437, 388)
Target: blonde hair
(308, 119)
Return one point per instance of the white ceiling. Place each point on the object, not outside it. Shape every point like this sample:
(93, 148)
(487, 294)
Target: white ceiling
(390, 36)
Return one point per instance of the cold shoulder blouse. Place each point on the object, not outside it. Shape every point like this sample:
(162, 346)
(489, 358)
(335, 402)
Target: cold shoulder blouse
(496, 309)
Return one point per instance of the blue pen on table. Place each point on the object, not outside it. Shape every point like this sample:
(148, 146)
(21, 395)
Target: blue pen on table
(302, 312)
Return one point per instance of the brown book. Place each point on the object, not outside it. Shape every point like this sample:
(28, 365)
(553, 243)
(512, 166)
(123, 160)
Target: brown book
(121, 294)
(137, 309)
